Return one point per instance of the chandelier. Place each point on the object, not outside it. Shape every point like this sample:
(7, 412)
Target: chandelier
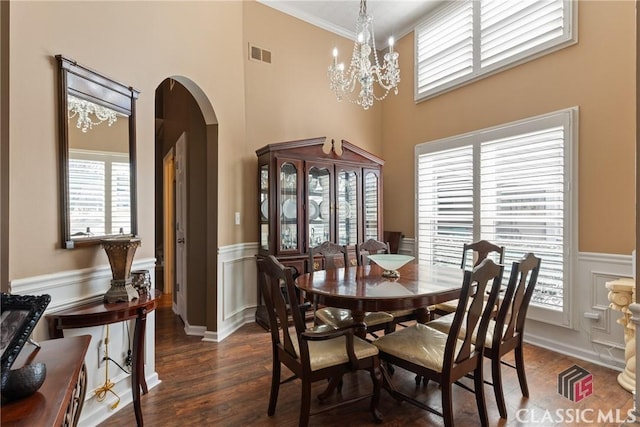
(83, 109)
(364, 69)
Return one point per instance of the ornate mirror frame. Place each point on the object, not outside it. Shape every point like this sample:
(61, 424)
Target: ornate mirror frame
(86, 84)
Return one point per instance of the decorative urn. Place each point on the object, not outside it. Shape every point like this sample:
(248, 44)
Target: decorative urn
(120, 251)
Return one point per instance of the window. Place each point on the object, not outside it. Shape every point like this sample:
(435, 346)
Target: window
(511, 185)
(99, 193)
(467, 39)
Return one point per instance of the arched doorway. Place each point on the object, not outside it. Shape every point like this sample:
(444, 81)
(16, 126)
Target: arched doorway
(186, 158)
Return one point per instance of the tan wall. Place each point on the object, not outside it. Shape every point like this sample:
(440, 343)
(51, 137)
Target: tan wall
(114, 138)
(142, 43)
(137, 43)
(290, 98)
(597, 74)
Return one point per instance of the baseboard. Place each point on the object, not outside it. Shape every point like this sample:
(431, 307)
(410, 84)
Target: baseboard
(574, 351)
(94, 412)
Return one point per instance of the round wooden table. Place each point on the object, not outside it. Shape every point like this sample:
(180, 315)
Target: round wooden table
(363, 289)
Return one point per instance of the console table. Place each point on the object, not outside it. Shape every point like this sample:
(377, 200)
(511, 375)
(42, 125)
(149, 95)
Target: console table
(59, 400)
(101, 313)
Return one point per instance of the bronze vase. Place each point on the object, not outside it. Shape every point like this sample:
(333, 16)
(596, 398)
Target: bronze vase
(120, 252)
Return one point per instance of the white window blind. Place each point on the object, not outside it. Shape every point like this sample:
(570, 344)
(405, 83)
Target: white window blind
(86, 196)
(99, 193)
(510, 185)
(522, 203)
(444, 46)
(120, 198)
(445, 204)
(465, 40)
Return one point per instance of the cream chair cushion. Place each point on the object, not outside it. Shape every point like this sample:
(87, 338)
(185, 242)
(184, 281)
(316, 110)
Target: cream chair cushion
(341, 317)
(448, 306)
(418, 344)
(402, 313)
(323, 354)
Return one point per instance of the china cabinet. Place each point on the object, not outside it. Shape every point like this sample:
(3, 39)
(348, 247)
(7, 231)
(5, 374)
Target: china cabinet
(310, 191)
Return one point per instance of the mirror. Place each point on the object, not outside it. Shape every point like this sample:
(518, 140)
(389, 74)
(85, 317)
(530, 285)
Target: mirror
(97, 156)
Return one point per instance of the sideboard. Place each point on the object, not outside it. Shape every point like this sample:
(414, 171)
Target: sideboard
(59, 400)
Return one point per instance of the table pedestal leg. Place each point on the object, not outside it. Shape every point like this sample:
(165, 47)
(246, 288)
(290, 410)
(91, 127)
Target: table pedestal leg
(358, 320)
(422, 315)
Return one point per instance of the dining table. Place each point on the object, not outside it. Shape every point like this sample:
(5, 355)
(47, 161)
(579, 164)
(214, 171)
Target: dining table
(363, 289)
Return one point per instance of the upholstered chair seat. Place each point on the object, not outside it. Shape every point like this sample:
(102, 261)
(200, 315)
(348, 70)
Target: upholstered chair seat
(341, 317)
(323, 354)
(418, 344)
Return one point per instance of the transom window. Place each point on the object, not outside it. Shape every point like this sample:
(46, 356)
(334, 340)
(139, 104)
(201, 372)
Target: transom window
(511, 185)
(467, 39)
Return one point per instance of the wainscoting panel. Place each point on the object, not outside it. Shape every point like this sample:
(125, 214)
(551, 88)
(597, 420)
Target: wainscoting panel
(237, 289)
(598, 340)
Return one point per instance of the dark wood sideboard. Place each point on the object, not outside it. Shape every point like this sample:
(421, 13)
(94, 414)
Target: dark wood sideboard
(59, 400)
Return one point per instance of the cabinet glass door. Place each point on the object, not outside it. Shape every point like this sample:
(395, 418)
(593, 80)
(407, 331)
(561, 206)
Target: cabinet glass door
(264, 207)
(319, 207)
(288, 206)
(347, 221)
(371, 188)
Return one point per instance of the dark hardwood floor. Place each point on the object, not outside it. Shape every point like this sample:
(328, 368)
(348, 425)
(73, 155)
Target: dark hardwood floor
(227, 384)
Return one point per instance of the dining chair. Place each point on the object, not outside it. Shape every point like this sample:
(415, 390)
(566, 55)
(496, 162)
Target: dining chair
(373, 246)
(478, 251)
(441, 357)
(506, 331)
(341, 317)
(369, 247)
(311, 355)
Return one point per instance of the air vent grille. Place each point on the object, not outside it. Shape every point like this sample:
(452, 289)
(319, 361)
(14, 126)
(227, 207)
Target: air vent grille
(259, 54)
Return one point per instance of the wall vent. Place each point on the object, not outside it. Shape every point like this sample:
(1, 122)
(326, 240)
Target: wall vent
(258, 54)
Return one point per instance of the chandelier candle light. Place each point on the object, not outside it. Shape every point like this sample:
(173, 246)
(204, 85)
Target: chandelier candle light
(362, 69)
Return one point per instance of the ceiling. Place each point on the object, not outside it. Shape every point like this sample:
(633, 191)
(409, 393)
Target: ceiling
(390, 17)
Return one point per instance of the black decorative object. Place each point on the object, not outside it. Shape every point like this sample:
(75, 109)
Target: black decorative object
(24, 381)
(19, 316)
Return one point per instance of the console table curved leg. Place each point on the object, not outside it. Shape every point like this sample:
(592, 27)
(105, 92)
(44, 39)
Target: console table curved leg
(138, 380)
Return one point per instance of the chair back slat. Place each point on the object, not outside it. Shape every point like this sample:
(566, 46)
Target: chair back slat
(472, 307)
(481, 250)
(278, 288)
(371, 246)
(335, 256)
(513, 310)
